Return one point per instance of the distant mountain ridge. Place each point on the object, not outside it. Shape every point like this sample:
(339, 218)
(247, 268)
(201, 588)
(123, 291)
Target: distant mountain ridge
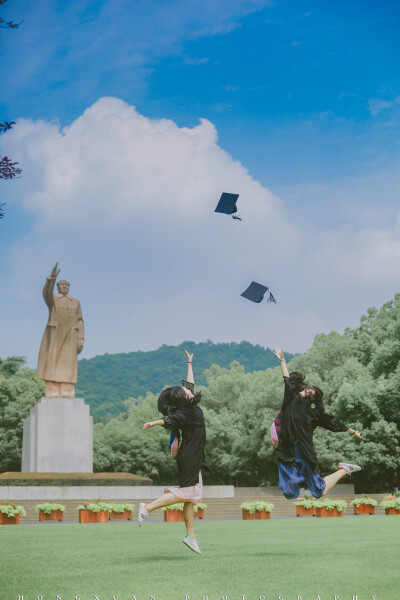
(106, 381)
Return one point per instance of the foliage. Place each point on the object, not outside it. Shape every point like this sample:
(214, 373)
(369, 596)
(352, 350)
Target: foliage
(391, 501)
(120, 508)
(8, 169)
(19, 392)
(106, 381)
(175, 506)
(48, 507)
(256, 505)
(95, 506)
(122, 444)
(179, 506)
(331, 504)
(199, 506)
(360, 378)
(9, 366)
(363, 500)
(12, 510)
(305, 502)
(358, 371)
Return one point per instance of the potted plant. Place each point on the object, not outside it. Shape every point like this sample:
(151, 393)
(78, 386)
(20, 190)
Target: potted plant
(256, 509)
(364, 505)
(10, 513)
(50, 511)
(329, 508)
(198, 510)
(121, 511)
(94, 512)
(391, 504)
(173, 512)
(305, 506)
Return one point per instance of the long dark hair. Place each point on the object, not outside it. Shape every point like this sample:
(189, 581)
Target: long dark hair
(318, 393)
(297, 380)
(173, 398)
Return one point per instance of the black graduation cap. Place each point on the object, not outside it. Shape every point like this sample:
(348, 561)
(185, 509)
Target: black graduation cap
(255, 292)
(227, 205)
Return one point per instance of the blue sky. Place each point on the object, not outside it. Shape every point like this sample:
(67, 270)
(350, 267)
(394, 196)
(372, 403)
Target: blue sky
(303, 104)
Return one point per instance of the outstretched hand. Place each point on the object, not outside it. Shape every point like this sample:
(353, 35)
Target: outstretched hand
(279, 353)
(189, 356)
(355, 432)
(149, 424)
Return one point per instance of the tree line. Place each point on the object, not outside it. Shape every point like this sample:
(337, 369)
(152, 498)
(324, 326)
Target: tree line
(106, 381)
(359, 372)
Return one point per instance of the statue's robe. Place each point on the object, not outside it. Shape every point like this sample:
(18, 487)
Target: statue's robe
(58, 354)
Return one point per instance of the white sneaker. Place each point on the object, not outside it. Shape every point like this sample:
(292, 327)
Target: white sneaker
(192, 544)
(349, 468)
(143, 514)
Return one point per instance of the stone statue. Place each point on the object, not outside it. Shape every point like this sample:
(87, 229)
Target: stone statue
(62, 340)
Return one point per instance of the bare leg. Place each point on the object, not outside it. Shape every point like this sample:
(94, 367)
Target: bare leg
(332, 479)
(189, 519)
(164, 500)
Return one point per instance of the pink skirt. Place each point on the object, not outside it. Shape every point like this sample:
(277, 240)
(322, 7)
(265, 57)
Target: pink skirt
(193, 493)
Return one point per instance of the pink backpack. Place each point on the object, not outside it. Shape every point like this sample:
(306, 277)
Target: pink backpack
(275, 429)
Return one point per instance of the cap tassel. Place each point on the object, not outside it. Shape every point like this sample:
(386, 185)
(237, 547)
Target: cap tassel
(271, 298)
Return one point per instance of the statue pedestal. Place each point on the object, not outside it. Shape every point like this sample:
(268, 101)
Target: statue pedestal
(58, 437)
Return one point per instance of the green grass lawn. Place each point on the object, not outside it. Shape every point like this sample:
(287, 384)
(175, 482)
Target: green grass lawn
(303, 557)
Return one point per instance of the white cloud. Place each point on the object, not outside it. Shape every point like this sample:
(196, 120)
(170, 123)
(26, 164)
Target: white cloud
(126, 205)
(377, 105)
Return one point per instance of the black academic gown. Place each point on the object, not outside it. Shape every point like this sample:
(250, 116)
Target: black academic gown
(190, 456)
(300, 417)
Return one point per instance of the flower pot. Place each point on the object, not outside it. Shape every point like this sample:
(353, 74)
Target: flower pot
(364, 509)
(392, 511)
(127, 514)
(324, 512)
(88, 516)
(200, 513)
(5, 520)
(173, 515)
(301, 511)
(55, 515)
(257, 514)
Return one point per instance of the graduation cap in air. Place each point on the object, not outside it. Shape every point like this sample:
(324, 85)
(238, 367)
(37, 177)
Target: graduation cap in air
(227, 205)
(255, 292)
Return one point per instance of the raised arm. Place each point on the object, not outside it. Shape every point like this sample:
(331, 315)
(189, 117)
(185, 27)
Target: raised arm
(280, 356)
(49, 286)
(189, 378)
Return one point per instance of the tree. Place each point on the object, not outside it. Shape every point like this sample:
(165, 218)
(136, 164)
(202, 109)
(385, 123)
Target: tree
(8, 169)
(9, 366)
(19, 392)
(9, 24)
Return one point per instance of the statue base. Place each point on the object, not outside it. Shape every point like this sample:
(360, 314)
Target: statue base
(58, 437)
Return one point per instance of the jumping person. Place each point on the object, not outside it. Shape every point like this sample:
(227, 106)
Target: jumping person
(302, 412)
(185, 419)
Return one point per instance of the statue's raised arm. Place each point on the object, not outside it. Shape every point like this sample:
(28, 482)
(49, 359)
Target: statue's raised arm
(49, 286)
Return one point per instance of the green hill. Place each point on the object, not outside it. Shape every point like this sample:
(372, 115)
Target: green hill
(106, 381)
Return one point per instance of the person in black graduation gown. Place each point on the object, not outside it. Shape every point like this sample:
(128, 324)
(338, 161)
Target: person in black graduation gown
(185, 419)
(302, 412)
